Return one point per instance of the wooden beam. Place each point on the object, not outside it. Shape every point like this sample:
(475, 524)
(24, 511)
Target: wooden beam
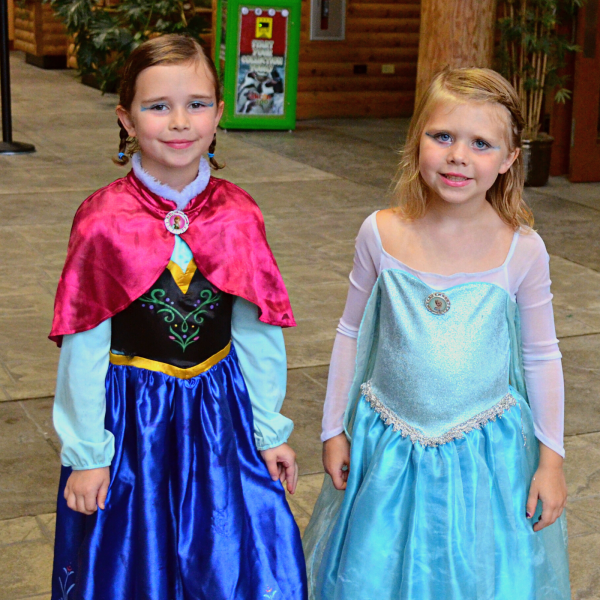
(455, 33)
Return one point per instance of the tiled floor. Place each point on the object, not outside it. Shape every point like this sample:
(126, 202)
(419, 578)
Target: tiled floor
(315, 186)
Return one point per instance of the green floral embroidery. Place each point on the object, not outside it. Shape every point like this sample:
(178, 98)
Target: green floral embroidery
(183, 335)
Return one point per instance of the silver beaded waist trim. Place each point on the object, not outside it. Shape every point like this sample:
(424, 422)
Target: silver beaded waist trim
(477, 421)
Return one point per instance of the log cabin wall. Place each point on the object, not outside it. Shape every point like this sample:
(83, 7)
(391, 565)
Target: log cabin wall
(352, 78)
(38, 31)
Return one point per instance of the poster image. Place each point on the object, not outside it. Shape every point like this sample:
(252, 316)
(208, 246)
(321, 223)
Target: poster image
(262, 57)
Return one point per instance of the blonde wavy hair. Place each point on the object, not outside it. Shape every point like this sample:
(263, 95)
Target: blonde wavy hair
(410, 195)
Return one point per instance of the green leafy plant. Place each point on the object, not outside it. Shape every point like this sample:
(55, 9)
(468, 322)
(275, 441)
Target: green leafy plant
(106, 31)
(532, 52)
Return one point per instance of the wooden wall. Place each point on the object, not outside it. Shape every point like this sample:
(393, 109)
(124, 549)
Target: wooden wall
(38, 31)
(378, 32)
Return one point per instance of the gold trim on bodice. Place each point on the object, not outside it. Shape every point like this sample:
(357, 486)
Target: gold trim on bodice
(173, 371)
(182, 279)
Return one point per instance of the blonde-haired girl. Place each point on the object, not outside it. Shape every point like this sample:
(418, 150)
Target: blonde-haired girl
(443, 422)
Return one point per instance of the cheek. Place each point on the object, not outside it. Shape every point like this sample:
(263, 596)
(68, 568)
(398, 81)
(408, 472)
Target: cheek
(429, 158)
(489, 167)
(148, 127)
(205, 124)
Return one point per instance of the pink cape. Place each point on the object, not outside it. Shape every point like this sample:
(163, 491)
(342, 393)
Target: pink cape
(119, 246)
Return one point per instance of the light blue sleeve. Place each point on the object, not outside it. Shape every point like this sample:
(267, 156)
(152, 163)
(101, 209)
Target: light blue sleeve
(261, 354)
(80, 400)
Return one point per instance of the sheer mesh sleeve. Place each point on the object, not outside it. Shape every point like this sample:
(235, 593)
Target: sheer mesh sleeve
(541, 356)
(341, 370)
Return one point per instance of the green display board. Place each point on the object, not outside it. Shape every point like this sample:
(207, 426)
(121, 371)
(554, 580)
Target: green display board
(256, 53)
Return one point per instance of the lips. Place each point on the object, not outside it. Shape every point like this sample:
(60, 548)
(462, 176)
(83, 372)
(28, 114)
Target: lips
(179, 144)
(455, 179)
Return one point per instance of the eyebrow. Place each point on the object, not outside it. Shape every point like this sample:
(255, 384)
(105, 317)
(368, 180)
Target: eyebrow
(190, 97)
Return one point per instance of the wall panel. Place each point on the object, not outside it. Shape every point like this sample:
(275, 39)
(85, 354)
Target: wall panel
(372, 72)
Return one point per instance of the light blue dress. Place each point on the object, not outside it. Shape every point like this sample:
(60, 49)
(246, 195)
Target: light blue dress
(443, 452)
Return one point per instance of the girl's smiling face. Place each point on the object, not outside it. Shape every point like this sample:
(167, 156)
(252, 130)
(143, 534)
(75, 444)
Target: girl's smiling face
(463, 148)
(174, 116)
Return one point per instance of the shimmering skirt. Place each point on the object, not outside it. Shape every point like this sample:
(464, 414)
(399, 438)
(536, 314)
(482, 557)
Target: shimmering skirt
(436, 523)
(191, 513)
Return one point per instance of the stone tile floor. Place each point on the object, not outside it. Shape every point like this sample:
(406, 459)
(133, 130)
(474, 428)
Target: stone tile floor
(315, 186)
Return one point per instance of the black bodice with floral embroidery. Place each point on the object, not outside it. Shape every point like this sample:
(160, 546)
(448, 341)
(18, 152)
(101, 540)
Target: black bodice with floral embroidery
(182, 320)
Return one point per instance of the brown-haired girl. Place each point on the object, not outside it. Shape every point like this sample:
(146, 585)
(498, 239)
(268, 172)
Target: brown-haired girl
(443, 424)
(172, 369)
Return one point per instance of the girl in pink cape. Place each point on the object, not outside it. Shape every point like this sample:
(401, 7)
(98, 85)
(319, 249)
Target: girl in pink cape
(172, 369)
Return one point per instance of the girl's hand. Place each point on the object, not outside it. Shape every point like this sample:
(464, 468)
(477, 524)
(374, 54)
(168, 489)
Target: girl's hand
(336, 460)
(86, 490)
(549, 486)
(282, 465)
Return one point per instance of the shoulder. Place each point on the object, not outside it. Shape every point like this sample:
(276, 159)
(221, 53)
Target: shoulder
(530, 246)
(233, 196)
(368, 234)
(394, 231)
(234, 205)
(379, 226)
(99, 207)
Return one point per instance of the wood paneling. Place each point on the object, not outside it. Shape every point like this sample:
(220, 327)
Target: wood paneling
(343, 104)
(348, 78)
(38, 31)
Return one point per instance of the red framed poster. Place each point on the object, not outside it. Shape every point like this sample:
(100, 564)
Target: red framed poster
(261, 68)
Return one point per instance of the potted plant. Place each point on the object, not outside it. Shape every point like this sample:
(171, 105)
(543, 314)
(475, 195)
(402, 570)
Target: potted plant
(105, 32)
(531, 54)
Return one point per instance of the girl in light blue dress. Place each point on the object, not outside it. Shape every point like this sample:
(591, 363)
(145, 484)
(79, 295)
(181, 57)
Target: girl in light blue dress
(443, 424)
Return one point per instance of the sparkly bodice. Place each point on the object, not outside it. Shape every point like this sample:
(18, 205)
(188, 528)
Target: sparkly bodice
(438, 357)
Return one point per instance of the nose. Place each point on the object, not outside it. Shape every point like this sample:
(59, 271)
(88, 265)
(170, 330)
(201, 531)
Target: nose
(179, 119)
(458, 154)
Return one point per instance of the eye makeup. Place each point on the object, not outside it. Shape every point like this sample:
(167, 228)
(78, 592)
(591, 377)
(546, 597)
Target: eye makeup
(436, 137)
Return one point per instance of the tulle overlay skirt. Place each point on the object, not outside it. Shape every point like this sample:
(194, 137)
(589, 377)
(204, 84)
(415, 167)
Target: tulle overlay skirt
(192, 512)
(433, 523)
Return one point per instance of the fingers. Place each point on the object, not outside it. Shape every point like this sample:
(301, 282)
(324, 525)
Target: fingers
(339, 478)
(85, 490)
(291, 477)
(549, 516)
(550, 512)
(272, 467)
(71, 500)
(102, 493)
(532, 500)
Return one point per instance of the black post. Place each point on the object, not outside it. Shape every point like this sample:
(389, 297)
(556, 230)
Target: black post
(7, 146)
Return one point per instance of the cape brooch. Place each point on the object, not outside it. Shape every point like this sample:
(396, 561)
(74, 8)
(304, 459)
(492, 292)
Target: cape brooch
(437, 303)
(177, 222)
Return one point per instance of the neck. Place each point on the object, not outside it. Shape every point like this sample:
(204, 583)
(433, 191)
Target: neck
(180, 195)
(457, 214)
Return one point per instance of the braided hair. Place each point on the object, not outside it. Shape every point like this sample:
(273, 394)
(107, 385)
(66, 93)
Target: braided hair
(162, 50)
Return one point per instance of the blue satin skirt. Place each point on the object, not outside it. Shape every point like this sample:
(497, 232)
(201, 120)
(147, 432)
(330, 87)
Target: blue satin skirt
(436, 523)
(191, 513)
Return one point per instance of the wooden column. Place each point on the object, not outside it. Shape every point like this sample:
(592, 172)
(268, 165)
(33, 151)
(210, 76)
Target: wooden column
(458, 33)
(11, 22)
